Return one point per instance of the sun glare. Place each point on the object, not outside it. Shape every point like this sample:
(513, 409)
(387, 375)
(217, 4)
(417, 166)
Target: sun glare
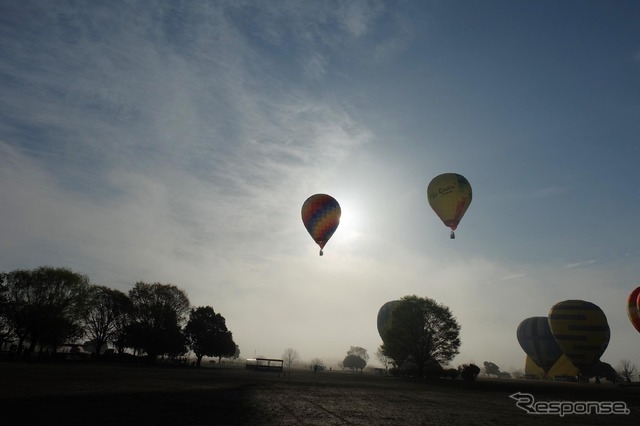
(350, 226)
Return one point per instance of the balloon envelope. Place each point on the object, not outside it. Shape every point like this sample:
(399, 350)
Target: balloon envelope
(449, 195)
(321, 216)
(633, 308)
(581, 330)
(537, 341)
(562, 367)
(383, 316)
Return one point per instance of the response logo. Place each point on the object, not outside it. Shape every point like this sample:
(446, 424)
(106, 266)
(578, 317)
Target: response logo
(526, 402)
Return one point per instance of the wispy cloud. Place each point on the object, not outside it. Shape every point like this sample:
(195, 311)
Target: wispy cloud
(176, 141)
(580, 264)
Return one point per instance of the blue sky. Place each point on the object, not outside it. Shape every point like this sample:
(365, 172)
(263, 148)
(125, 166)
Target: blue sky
(175, 142)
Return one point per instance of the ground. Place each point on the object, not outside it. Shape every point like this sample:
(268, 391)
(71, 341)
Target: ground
(82, 393)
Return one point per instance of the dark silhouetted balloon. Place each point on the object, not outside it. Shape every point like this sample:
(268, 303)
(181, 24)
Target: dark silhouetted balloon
(537, 341)
(449, 195)
(383, 316)
(581, 330)
(321, 216)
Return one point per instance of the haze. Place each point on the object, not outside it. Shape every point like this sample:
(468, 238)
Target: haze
(175, 142)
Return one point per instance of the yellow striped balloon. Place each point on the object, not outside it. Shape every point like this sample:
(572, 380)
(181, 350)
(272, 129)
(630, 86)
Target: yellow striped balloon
(581, 330)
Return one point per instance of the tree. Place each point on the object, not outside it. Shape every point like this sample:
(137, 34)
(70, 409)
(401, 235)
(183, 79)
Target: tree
(236, 354)
(602, 370)
(46, 305)
(420, 330)
(384, 360)
(6, 329)
(490, 368)
(123, 309)
(289, 357)
(359, 352)
(356, 358)
(318, 362)
(626, 370)
(226, 347)
(106, 306)
(469, 372)
(354, 362)
(208, 335)
(159, 310)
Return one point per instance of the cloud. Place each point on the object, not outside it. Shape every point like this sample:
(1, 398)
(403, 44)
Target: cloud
(158, 146)
(580, 264)
(176, 142)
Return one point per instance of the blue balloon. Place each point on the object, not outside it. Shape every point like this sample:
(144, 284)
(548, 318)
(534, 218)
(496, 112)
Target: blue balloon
(536, 339)
(383, 316)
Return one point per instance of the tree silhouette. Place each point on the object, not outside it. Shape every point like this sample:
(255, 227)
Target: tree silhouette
(46, 305)
(384, 360)
(158, 312)
(6, 330)
(289, 357)
(208, 335)
(490, 368)
(626, 370)
(106, 306)
(359, 352)
(420, 331)
(469, 372)
(354, 362)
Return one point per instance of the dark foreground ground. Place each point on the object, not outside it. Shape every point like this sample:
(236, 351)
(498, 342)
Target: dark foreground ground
(93, 394)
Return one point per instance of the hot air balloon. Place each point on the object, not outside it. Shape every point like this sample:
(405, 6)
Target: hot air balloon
(536, 340)
(321, 216)
(449, 195)
(383, 316)
(633, 308)
(562, 367)
(581, 330)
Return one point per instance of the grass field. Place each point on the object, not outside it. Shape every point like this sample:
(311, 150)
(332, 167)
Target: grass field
(94, 394)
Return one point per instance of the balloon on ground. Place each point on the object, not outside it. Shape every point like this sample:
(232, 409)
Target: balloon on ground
(384, 314)
(562, 367)
(581, 330)
(321, 216)
(535, 337)
(449, 195)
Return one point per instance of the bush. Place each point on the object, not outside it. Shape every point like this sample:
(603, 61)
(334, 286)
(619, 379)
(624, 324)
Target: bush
(450, 373)
(469, 372)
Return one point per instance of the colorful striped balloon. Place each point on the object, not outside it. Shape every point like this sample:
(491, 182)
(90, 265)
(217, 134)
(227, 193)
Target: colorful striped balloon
(633, 308)
(582, 331)
(321, 216)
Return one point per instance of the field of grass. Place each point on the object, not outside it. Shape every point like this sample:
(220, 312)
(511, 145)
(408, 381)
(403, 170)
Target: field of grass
(81, 393)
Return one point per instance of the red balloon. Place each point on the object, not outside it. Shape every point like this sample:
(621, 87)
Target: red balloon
(633, 308)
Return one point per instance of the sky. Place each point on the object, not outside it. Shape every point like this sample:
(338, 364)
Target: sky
(175, 142)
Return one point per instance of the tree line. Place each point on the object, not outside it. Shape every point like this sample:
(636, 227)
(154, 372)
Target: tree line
(46, 307)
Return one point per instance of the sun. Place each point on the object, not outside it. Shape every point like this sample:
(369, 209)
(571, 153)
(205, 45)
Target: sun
(351, 225)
